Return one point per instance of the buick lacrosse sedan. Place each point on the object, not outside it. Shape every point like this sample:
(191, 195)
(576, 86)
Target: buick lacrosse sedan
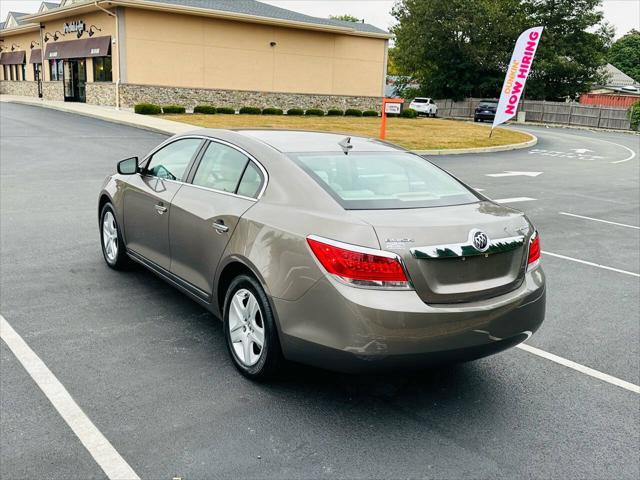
(341, 252)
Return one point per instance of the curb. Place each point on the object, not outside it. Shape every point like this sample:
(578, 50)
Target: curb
(573, 127)
(497, 148)
(120, 117)
(168, 127)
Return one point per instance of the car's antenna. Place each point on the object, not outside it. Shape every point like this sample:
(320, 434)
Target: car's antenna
(346, 145)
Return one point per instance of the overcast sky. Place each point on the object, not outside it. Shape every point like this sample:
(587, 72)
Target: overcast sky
(623, 14)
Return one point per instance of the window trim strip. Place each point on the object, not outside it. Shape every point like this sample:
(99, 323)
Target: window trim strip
(201, 150)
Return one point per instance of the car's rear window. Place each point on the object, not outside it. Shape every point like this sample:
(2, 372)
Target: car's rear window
(421, 100)
(383, 180)
(487, 104)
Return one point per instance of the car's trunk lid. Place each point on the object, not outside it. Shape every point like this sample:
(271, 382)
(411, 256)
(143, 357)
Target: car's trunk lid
(437, 248)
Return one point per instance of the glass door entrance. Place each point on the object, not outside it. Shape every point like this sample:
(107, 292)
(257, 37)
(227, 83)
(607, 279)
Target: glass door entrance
(75, 80)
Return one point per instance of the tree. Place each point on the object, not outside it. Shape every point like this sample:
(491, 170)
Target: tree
(459, 48)
(345, 18)
(625, 54)
(456, 48)
(572, 48)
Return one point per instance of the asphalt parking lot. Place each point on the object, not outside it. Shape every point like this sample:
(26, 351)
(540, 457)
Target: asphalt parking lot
(149, 367)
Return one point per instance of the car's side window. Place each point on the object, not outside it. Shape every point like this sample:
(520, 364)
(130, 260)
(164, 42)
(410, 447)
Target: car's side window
(251, 181)
(220, 168)
(171, 161)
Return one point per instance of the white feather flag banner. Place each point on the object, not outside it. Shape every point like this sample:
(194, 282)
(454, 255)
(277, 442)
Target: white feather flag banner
(517, 73)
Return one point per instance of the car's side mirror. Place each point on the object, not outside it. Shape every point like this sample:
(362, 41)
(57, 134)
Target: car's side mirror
(128, 166)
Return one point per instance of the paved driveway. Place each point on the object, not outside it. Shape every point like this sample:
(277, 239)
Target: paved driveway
(149, 367)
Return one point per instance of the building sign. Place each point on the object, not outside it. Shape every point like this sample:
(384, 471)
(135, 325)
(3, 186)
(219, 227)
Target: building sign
(77, 26)
(392, 108)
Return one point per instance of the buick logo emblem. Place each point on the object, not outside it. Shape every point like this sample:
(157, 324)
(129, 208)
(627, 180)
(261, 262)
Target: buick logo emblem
(480, 240)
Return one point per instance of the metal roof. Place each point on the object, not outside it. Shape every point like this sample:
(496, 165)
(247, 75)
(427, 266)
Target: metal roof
(16, 16)
(617, 78)
(242, 7)
(259, 9)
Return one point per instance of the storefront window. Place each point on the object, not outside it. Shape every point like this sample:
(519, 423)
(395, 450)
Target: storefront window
(23, 73)
(5, 70)
(55, 69)
(102, 69)
(12, 69)
(37, 68)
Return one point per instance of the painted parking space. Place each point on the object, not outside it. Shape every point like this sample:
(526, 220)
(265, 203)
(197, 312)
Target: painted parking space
(150, 370)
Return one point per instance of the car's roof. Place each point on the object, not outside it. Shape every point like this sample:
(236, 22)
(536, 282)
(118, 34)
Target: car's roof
(289, 141)
(422, 98)
(488, 101)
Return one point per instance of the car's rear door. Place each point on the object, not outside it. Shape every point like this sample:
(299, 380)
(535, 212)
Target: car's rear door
(148, 196)
(223, 184)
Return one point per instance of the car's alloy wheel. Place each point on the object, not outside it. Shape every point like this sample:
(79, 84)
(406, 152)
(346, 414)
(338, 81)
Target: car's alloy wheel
(246, 327)
(111, 239)
(250, 330)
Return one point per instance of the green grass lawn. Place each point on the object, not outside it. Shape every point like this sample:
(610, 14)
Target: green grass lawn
(415, 134)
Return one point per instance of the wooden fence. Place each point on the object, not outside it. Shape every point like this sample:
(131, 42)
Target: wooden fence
(548, 112)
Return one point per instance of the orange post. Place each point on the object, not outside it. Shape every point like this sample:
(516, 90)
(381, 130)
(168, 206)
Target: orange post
(395, 106)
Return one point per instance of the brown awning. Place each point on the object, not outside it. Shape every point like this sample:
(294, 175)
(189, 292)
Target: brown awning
(88, 47)
(12, 58)
(36, 56)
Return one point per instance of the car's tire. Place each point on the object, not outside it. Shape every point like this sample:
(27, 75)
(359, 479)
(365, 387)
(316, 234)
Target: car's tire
(113, 249)
(248, 321)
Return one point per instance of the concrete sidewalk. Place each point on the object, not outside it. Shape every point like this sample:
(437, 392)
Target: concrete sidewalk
(109, 114)
(155, 124)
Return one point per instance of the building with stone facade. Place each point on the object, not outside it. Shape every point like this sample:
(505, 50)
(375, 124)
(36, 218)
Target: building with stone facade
(220, 52)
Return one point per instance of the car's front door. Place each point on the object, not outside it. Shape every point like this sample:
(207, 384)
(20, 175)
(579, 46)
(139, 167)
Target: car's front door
(206, 210)
(147, 199)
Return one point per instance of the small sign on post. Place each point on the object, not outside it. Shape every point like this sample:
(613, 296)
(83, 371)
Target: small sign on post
(389, 105)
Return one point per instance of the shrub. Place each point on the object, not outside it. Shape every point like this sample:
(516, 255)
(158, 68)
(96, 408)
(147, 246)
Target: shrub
(147, 109)
(250, 111)
(226, 110)
(272, 111)
(369, 113)
(315, 112)
(173, 109)
(634, 115)
(334, 112)
(353, 112)
(206, 109)
(409, 113)
(295, 111)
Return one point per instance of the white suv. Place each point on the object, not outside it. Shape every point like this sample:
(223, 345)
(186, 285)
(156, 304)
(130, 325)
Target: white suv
(424, 106)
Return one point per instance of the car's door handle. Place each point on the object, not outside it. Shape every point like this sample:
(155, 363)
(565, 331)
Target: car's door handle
(160, 209)
(220, 226)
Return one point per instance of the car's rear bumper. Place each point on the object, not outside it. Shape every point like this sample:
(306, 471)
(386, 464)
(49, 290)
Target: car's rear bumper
(348, 329)
(485, 116)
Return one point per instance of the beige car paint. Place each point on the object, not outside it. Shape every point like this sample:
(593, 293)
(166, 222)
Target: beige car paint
(320, 320)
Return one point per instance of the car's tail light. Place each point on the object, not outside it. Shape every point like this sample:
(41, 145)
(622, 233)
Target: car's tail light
(534, 252)
(359, 266)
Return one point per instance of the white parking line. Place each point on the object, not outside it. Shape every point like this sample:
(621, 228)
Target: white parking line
(598, 220)
(113, 465)
(514, 200)
(630, 157)
(590, 263)
(581, 368)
